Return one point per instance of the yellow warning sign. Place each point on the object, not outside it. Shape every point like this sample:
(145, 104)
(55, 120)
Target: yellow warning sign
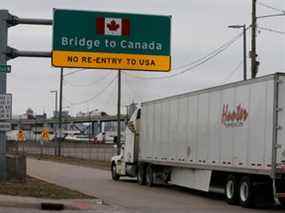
(21, 135)
(156, 63)
(45, 134)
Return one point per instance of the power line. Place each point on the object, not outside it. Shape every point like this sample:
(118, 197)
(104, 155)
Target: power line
(89, 84)
(95, 96)
(210, 53)
(232, 73)
(272, 30)
(109, 96)
(194, 64)
(67, 100)
(271, 7)
(134, 94)
(73, 72)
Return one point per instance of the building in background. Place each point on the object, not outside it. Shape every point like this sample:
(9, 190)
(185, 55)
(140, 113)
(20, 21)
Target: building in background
(64, 114)
(30, 115)
(95, 112)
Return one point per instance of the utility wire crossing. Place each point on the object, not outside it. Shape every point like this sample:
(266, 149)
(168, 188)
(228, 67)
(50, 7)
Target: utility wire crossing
(191, 66)
(95, 96)
(271, 7)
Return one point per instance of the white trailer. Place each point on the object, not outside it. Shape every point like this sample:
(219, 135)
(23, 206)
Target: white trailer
(228, 139)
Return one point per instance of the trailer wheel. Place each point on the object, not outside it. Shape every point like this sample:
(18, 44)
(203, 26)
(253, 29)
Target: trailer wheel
(115, 175)
(149, 175)
(231, 190)
(246, 192)
(141, 175)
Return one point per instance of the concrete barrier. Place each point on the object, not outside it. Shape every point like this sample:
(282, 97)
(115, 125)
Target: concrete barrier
(100, 152)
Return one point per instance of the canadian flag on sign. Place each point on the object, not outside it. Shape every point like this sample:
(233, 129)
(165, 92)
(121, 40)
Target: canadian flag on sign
(112, 26)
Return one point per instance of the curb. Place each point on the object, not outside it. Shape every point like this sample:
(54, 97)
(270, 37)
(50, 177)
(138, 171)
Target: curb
(52, 205)
(49, 204)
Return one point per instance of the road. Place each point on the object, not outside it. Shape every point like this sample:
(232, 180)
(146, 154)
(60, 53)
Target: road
(129, 196)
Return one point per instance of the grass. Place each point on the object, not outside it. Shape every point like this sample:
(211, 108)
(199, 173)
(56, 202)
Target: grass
(33, 187)
(74, 161)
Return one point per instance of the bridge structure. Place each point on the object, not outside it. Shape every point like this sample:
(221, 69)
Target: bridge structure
(91, 124)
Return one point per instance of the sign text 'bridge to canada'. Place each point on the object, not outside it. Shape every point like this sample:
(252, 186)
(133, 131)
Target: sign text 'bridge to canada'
(85, 39)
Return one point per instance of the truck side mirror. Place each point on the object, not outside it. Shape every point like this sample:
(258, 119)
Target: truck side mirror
(115, 139)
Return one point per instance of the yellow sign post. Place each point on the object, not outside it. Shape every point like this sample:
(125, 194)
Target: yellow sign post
(21, 136)
(21, 139)
(45, 135)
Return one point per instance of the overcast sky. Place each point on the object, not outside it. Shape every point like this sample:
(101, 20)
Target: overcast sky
(198, 27)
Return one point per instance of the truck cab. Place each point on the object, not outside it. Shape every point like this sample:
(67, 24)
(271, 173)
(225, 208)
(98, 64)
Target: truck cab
(125, 164)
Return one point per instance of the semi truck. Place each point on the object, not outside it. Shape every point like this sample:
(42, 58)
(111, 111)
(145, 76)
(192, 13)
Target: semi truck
(228, 139)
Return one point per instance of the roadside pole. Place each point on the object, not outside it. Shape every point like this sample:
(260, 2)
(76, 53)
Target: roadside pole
(55, 123)
(60, 114)
(253, 55)
(4, 16)
(119, 114)
(244, 54)
(23, 148)
(41, 154)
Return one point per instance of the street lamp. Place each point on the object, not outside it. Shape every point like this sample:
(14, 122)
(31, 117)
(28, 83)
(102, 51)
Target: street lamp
(244, 47)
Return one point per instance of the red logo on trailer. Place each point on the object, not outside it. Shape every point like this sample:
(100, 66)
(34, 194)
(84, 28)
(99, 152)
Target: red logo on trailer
(235, 117)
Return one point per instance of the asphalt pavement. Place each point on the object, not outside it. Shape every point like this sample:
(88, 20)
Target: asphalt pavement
(127, 196)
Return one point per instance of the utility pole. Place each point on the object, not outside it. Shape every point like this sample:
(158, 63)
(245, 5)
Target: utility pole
(253, 55)
(4, 16)
(60, 114)
(119, 114)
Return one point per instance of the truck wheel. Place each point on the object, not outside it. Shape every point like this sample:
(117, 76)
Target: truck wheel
(115, 175)
(246, 192)
(231, 190)
(282, 202)
(141, 175)
(149, 175)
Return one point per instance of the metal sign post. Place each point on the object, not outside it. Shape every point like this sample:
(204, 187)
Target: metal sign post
(4, 15)
(60, 115)
(119, 114)
(21, 137)
(7, 53)
(55, 125)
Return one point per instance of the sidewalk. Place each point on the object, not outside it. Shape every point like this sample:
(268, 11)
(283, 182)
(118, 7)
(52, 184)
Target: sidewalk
(15, 204)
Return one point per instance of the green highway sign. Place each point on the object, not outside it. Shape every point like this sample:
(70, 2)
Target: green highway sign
(5, 68)
(108, 40)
